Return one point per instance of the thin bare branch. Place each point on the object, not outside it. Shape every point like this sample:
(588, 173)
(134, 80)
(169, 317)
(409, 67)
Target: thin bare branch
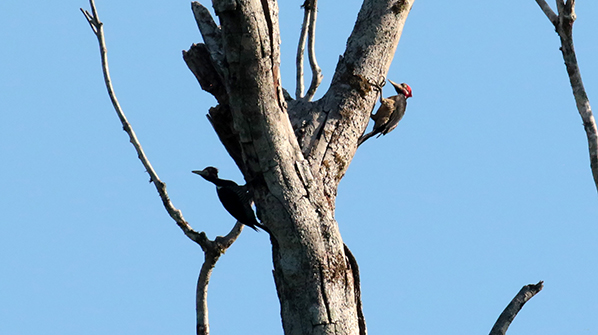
(212, 252)
(564, 28)
(308, 31)
(570, 6)
(98, 29)
(548, 11)
(212, 249)
(316, 72)
(89, 20)
(507, 316)
(560, 8)
(301, 51)
(566, 11)
(201, 295)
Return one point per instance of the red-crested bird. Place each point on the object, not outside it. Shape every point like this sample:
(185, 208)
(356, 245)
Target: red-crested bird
(235, 199)
(391, 111)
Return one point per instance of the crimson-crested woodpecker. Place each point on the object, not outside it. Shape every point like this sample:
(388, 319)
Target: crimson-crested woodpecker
(235, 199)
(390, 112)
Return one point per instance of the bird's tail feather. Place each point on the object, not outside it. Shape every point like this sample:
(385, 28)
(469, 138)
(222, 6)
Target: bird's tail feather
(363, 138)
(264, 228)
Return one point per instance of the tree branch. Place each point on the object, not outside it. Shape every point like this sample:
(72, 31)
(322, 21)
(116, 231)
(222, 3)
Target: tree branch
(548, 11)
(316, 72)
(212, 36)
(212, 249)
(564, 28)
(212, 252)
(308, 30)
(98, 28)
(507, 316)
(200, 62)
(251, 42)
(301, 51)
(330, 140)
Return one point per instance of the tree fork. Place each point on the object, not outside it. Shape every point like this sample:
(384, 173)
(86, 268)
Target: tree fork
(294, 172)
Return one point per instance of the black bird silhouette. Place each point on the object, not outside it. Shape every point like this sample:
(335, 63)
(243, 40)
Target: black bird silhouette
(235, 199)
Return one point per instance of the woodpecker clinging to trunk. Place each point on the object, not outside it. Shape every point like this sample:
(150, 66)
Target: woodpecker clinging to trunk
(235, 199)
(390, 112)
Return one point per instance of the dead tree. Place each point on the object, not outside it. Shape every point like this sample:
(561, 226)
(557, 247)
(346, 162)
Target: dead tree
(292, 152)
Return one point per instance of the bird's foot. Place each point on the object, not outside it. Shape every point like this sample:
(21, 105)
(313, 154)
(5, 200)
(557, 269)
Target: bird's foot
(378, 85)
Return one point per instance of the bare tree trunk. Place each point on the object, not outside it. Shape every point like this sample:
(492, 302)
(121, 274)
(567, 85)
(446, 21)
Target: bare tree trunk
(293, 153)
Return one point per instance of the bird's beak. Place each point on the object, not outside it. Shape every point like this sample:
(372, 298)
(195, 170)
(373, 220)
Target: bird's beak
(400, 88)
(396, 86)
(200, 172)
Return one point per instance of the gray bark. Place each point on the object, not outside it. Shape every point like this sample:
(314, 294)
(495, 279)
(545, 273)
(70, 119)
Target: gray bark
(293, 153)
(563, 24)
(510, 312)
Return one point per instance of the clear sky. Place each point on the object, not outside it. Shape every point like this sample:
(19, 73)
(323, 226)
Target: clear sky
(484, 186)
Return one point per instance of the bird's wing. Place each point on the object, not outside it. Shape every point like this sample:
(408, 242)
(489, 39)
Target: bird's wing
(232, 203)
(244, 194)
(383, 115)
(398, 111)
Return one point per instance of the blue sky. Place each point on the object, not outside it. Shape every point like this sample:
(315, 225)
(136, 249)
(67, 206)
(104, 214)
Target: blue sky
(484, 187)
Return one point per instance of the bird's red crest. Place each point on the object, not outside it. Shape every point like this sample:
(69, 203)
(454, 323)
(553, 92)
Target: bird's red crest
(402, 88)
(407, 90)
